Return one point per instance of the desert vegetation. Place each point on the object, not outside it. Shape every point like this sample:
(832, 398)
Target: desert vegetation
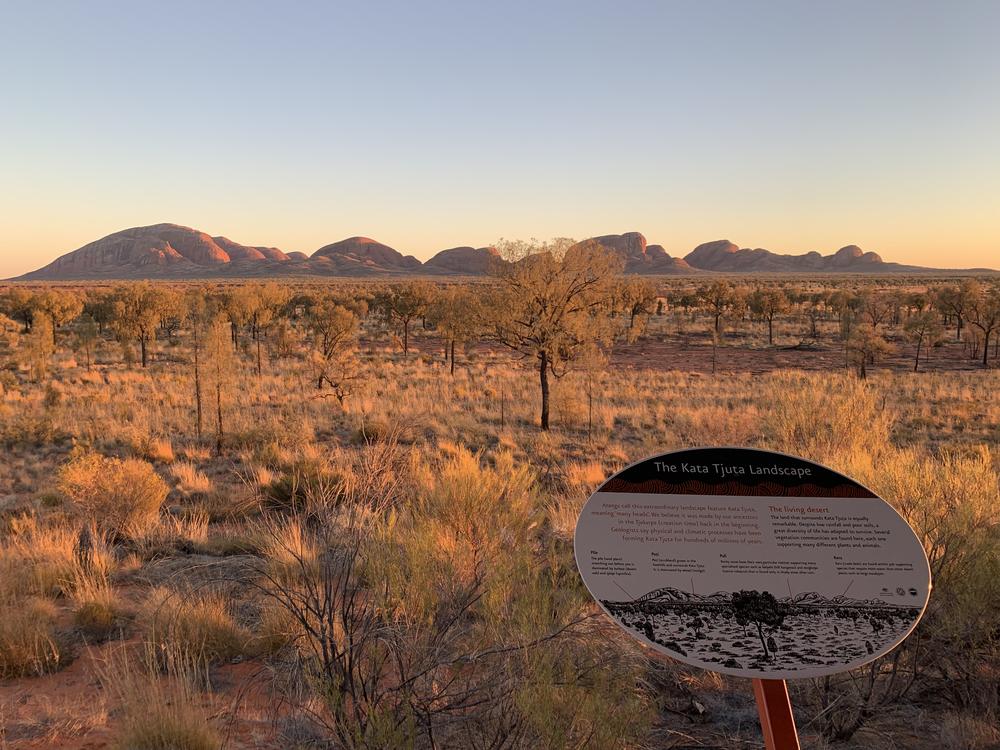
(340, 514)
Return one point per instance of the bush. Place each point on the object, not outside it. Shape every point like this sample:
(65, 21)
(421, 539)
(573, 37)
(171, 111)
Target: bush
(159, 698)
(122, 497)
(198, 624)
(28, 644)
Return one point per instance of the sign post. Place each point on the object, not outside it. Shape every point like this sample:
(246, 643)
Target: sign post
(754, 564)
(775, 710)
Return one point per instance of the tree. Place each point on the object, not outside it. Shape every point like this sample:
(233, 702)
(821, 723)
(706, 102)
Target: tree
(553, 302)
(984, 314)
(220, 367)
(198, 316)
(844, 303)
(265, 302)
(19, 303)
(138, 309)
(60, 306)
(635, 298)
(864, 347)
(457, 313)
(100, 307)
(404, 303)
(237, 303)
(767, 304)
(86, 336)
(718, 298)
(36, 347)
(334, 331)
(923, 329)
(760, 609)
(877, 308)
(955, 301)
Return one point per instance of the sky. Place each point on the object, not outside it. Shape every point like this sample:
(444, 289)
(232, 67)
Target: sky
(794, 126)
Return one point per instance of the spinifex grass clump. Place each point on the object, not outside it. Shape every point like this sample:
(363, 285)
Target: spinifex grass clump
(159, 690)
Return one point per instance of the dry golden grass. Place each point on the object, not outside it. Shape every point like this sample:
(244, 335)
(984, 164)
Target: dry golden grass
(190, 480)
(456, 490)
(121, 496)
(28, 640)
(196, 622)
(159, 695)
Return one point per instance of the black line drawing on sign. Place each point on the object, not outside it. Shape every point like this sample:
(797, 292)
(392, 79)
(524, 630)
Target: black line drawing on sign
(757, 631)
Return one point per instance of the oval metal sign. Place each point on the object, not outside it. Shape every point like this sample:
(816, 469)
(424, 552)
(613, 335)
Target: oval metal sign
(752, 563)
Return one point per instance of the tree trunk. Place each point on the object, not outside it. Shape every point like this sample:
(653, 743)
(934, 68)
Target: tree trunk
(453, 356)
(218, 418)
(770, 332)
(257, 337)
(197, 391)
(763, 643)
(916, 361)
(406, 337)
(986, 347)
(543, 379)
(142, 349)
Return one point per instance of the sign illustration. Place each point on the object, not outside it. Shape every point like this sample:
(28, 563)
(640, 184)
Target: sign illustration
(752, 563)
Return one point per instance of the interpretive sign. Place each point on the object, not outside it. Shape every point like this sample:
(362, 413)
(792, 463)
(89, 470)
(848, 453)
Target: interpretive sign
(752, 563)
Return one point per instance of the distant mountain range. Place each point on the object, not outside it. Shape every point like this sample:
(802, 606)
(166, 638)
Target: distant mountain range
(670, 595)
(171, 251)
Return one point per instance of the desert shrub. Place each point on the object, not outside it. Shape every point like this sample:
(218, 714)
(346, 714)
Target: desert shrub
(26, 426)
(951, 502)
(28, 639)
(835, 419)
(159, 695)
(96, 611)
(46, 559)
(190, 481)
(199, 623)
(122, 497)
(292, 551)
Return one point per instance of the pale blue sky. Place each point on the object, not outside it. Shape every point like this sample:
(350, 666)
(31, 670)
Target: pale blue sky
(789, 125)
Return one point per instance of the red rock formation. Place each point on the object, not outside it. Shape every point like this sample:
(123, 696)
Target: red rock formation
(464, 260)
(360, 255)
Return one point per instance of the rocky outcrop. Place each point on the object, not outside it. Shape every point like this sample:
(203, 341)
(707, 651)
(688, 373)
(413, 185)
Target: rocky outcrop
(640, 257)
(724, 256)
(464, 260)
(242, 252)
(173, 251)
(157, 250)
(363, 256)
